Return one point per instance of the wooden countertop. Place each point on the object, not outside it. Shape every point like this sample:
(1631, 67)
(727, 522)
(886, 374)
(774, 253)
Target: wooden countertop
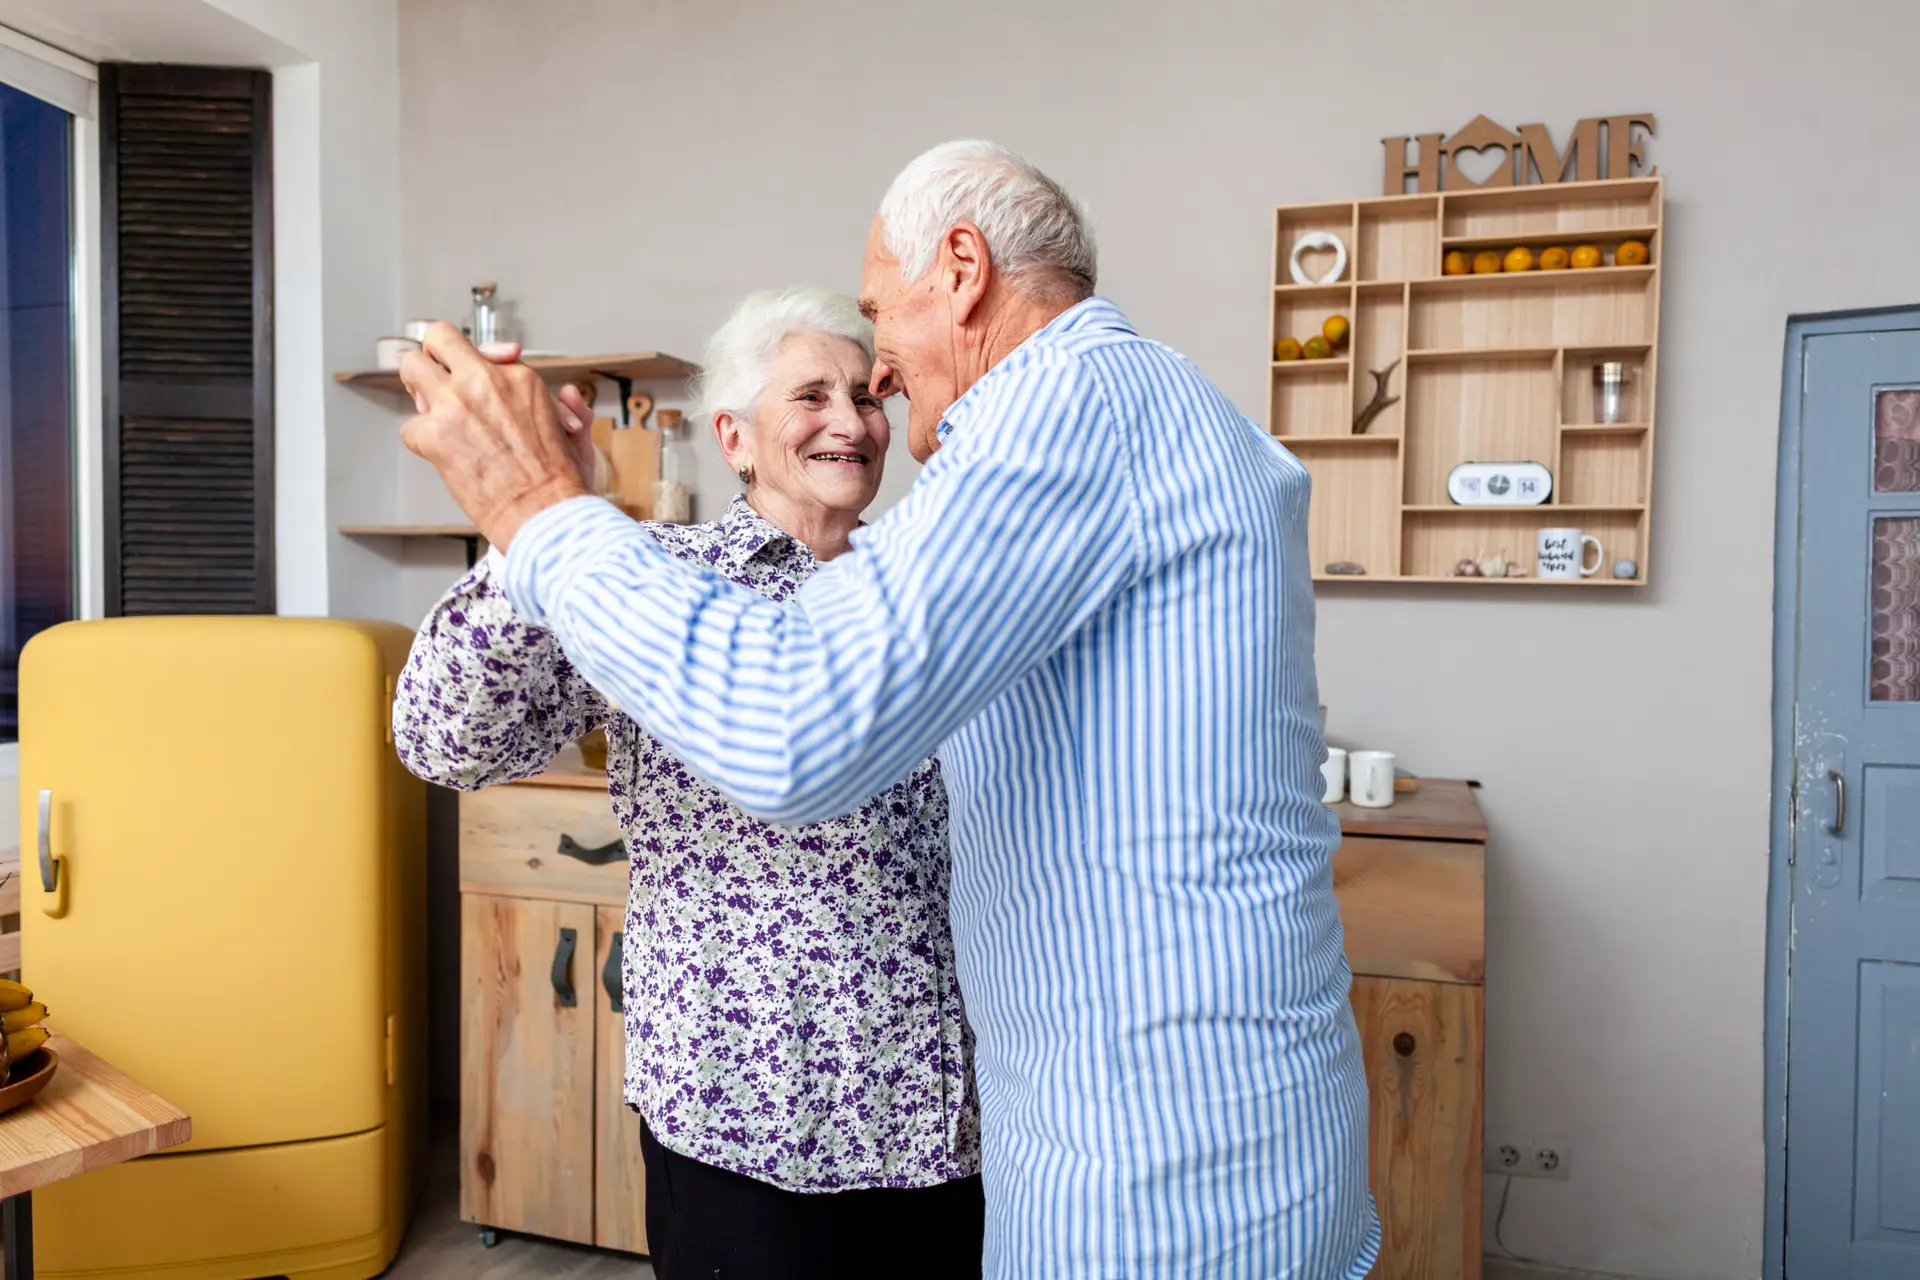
(89, 1116)
(1442, 809)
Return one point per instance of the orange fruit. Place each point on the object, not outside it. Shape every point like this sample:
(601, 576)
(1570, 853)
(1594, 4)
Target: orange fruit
(1554, 259)
(1336, 330)
(1585, 256)
(1631, 253)
(1456, 264)
(1486, 262)
(1519, 259)
(1316, 348)
(1287, 349)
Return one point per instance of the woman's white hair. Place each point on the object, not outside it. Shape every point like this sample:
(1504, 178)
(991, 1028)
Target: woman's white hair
(739, 355)
(1034, 229)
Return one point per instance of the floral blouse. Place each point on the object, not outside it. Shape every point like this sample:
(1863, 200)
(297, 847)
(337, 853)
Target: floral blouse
(791, 1007)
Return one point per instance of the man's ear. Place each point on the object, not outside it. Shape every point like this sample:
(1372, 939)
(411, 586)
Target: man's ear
(728, 430)
(966, 269)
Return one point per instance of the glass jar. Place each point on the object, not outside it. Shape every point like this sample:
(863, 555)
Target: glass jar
(673, 491)
(1610, 392)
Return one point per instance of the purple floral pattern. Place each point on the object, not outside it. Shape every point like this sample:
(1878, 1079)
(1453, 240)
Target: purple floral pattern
(791, 1007)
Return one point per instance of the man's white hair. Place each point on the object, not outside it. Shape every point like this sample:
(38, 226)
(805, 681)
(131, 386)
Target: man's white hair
(739, 355)
(1034, 229)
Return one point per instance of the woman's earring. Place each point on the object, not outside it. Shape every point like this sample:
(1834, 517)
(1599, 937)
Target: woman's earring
(745, 474)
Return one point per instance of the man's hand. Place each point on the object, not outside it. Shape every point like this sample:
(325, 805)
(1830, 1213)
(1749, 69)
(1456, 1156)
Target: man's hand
(491, 431)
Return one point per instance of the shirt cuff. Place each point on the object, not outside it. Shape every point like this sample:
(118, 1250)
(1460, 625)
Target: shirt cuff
(551, 550)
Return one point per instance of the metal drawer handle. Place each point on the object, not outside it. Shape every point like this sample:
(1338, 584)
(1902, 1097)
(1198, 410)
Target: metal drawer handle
(600, 857)
(1838, 826)
(610, 974)
(563, 969)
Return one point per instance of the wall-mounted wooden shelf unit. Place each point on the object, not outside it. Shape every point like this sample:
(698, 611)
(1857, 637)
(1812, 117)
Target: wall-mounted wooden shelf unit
(1491, 368)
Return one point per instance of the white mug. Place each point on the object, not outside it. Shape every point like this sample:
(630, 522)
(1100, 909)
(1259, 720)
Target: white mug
(1563, 554)
(1370, 778)
(1334, 770)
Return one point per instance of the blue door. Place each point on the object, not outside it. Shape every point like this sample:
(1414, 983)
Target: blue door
(1853, 1021)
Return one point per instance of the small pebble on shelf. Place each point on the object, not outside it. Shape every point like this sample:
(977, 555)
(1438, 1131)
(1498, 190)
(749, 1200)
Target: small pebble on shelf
(1346, 569)
(1626, 569)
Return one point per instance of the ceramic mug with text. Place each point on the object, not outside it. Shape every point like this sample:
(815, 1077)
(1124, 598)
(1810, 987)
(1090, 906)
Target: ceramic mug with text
(1563, 554)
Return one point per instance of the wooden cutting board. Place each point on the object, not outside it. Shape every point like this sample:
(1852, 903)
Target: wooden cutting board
(634, 453)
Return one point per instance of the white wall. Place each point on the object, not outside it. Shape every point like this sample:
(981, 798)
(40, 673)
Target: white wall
(628, 170)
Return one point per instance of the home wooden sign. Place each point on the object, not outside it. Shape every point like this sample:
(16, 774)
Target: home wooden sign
(1599, 147)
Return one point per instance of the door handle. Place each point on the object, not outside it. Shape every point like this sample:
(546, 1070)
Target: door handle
(610, 973)
(562, 974)
(1838, 826)
(51, 881)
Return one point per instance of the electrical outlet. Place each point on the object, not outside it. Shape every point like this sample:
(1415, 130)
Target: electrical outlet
(1548, 1160)
(1528, 1159)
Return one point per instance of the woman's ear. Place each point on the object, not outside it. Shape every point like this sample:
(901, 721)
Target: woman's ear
(728, 430)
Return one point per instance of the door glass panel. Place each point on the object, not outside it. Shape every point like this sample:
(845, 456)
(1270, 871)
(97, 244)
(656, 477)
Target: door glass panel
(1896, 440)
(1894, 672)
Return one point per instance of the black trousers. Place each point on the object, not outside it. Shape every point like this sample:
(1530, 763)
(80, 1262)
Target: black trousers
(705, 1223)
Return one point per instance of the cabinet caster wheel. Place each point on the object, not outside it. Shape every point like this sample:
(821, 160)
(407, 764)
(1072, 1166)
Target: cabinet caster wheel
(489, 1237)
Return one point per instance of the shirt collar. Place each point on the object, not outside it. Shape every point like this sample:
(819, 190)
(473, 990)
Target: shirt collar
(745, 533)
(1092, 313)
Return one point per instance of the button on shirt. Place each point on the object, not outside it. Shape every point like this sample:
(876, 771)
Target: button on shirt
(791, 1006)
(1095, 602)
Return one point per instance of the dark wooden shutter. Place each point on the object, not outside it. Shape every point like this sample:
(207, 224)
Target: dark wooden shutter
(187, 241)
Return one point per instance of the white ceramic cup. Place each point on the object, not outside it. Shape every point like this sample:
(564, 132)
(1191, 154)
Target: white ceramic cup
(1334, 770)
(1370, 779)
(1563, 554)
(387, 351)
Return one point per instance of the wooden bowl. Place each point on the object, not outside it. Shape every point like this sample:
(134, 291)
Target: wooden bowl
(30, 1076)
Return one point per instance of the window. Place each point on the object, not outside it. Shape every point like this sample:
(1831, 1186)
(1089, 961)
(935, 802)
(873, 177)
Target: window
(36, 381)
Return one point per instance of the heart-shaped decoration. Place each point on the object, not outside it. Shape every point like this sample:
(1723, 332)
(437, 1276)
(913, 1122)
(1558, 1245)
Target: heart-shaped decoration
(1316, 244)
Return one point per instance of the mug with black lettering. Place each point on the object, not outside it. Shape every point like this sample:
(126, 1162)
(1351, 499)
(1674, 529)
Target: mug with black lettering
(1563, 554)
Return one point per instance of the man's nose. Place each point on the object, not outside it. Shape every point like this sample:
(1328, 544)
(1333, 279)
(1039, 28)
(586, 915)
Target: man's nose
(882, 382)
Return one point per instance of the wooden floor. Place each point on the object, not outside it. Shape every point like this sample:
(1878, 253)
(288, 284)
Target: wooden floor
(440, 1246)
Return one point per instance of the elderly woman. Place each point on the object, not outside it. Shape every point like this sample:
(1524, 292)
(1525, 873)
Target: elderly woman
(796, 1046)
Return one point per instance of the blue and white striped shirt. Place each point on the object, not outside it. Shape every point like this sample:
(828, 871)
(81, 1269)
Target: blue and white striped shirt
(1095, 604)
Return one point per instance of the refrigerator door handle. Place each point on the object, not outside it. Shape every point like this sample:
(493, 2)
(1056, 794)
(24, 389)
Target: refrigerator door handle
(562, 974)
(51, 881)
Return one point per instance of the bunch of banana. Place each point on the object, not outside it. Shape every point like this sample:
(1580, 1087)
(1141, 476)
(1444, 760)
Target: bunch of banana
(20, 1029)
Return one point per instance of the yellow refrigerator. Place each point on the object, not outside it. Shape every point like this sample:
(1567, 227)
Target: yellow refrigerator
(233, 913)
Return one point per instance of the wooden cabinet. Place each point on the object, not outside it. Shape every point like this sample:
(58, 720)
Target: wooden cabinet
(547, 1144)
(1411, 881)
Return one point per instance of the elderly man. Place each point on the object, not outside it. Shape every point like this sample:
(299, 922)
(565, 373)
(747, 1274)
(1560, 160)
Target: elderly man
(1094, 605)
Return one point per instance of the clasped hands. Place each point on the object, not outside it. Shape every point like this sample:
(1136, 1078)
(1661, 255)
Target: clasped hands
(506, 448)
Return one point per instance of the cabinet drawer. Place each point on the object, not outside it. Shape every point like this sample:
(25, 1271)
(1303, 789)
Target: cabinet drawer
(511, 841)
(1413, 908)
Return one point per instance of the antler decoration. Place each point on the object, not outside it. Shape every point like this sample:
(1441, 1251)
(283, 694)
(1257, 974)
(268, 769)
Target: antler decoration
(1376, 406)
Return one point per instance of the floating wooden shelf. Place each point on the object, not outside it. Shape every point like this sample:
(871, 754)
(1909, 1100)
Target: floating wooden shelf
(409, 531)
(636, 365)
(1490, 368)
